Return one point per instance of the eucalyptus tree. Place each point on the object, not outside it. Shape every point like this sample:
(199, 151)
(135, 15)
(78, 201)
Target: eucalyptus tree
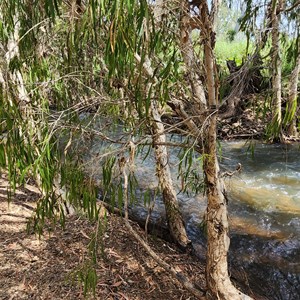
(269, 23)
(218, 281)
(140, 62)
(60, 72)
(46, 67)
(293, 95)
(32, 84)
(291, 13)
(276, 7)
(42, 92)
(151, 52)
(286, 10)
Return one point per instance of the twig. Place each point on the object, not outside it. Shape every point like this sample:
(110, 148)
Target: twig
(230, 174)
(291, 7)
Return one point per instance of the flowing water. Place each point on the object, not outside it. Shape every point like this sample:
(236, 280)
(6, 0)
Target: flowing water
(264, 212)
(265, 216)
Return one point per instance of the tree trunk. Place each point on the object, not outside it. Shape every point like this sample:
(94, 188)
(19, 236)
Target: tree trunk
(187, 50)
(173, 215)
(276, 69)
(293, 94)
(16, 76)
(174, 218)
(32, 132)
(218, 281)
(19, 92)
(217, 277)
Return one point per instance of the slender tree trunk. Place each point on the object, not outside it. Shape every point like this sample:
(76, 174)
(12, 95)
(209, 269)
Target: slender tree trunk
(218, 281)
(19, 91)
(293, 95)
(16, 76)
(276, 68)
(33, 131)
(187, 50)
(174, 218)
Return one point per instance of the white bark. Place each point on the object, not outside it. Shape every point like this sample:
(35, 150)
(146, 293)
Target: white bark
(276, 64)
(13, 52)
(26, 108)
(174, 218)
(293, 95)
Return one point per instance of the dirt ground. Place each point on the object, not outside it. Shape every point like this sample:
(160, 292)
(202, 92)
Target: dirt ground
(33, 268)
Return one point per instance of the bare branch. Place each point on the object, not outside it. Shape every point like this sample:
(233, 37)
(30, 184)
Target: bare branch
(292, 7)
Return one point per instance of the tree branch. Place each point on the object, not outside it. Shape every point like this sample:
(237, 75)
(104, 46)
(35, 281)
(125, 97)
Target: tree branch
(291, 7)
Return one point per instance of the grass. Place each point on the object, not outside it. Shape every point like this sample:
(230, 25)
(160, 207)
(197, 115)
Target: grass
(235, 50)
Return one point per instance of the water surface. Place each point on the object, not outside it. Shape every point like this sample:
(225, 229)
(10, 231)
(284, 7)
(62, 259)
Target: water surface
(264, 211)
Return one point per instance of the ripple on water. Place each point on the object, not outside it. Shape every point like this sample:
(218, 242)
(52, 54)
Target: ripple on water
(266, 196)
(264, 211)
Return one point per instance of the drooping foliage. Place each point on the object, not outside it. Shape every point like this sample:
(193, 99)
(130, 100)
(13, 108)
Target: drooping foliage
(74, 73)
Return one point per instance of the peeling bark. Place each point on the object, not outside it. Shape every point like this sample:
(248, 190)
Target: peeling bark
(217, 276)
(173, 215)
(276, 67)
(293, 95)
(218, 281)
(174, 218)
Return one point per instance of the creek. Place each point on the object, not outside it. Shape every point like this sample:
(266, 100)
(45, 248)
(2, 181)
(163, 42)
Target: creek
(264, 212)
(264, 208)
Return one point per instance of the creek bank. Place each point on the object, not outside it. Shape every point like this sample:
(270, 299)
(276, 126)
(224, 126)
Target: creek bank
(263, 211)
(263, 214)
(33, 268)
(250, 122)
(45, 268)
(251, 272)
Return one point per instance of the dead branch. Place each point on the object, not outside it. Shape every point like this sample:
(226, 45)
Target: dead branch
(230, 174)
